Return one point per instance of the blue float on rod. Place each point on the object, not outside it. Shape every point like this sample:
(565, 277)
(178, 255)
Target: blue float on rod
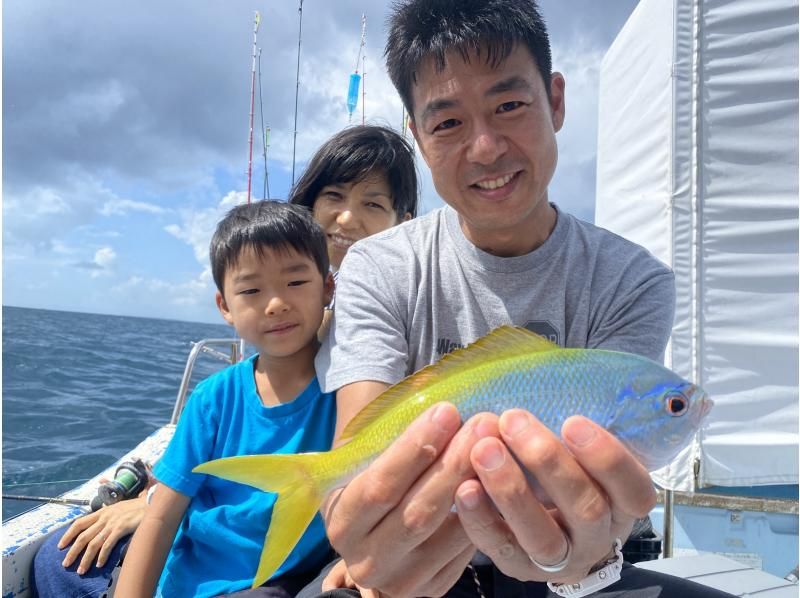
(352, 93)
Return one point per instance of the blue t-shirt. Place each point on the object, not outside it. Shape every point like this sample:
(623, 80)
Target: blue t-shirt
(218, 544)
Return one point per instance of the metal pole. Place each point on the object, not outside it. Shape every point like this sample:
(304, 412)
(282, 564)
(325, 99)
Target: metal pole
(297, 90)
(669, 519)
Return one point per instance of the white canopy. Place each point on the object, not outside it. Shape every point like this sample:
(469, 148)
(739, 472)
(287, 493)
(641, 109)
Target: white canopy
(698, 161)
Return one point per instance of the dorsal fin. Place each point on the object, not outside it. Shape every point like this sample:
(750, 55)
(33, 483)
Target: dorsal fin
(502, 343)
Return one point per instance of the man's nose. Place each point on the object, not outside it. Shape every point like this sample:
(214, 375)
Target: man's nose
(486, 145)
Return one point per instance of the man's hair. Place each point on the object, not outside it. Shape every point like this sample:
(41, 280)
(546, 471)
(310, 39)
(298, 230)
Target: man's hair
(264, 225)
(354, 154)
(422, 29)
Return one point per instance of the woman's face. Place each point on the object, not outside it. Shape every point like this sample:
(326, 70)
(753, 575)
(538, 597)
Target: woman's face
(348, 212)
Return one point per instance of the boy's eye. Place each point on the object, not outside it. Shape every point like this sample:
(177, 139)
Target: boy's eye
(247, 292)
(509, 106)
(445, 125)
(297, 283)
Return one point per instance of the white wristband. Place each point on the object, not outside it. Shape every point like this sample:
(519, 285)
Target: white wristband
(597, 580)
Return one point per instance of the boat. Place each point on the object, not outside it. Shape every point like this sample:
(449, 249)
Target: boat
(697, 161)
(25, 533)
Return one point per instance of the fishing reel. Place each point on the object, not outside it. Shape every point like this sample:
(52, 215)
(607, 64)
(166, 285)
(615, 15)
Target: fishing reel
(129, 480)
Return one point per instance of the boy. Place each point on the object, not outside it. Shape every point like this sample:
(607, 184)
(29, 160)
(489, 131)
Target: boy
(270, 264)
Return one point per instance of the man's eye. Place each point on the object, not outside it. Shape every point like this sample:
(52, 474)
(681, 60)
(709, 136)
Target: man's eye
(509, 106)
(297, 283)
(448, 124)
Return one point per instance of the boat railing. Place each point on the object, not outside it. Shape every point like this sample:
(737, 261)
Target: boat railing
(235, 351)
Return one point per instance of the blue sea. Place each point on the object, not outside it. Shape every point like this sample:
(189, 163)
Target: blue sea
(80, 390)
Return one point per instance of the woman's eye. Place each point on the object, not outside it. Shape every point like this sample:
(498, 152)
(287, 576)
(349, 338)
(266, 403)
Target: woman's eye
(445, 125)
(332, 195)
(373, 204)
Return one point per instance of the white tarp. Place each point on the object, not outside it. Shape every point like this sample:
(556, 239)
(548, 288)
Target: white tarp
(698, 161)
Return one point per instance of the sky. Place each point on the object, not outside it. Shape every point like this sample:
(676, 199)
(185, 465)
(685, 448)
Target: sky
(125, 133)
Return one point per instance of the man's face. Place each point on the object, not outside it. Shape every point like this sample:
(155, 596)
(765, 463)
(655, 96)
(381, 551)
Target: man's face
(488, 136)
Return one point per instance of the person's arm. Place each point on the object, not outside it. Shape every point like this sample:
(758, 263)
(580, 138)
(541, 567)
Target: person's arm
(151, 543)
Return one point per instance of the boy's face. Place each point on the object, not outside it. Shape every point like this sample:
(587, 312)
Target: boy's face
(488, 135)
(275, 301)
(349, 212)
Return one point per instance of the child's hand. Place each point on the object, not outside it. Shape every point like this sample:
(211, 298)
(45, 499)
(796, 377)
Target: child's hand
(338, 577)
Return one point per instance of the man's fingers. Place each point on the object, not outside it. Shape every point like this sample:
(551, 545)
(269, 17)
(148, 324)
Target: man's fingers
(605, 459)
(367, 499)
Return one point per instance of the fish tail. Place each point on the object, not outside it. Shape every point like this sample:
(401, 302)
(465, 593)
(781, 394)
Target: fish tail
(296, 480)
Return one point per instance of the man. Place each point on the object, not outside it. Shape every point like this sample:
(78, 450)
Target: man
(476, 78)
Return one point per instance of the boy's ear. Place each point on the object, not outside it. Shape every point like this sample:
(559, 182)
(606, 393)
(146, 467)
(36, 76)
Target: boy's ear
(328, 288)
(222, 306)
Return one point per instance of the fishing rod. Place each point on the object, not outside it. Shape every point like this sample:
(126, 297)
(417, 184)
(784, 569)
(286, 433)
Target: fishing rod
(264, 132)
(252, 105)
(78, 502)
(297, 89)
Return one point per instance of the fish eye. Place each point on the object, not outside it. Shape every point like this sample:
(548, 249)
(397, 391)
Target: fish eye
(676, 404)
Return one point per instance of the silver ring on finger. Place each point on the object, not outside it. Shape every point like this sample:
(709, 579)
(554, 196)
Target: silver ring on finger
(559, 566)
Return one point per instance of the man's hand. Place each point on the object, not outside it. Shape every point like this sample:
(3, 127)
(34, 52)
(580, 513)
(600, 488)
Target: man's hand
(596, 486)
(394, 524)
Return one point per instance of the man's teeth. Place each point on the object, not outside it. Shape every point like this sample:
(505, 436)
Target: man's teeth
(495, 183)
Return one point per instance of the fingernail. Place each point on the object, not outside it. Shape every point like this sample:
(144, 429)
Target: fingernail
(580, 434)
(469, 499)
(491, 457)
(515, 422)
(441, 415)
(81, 571)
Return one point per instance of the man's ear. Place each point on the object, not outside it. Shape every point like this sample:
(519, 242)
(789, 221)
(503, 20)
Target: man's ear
(222, 306)
(557, 103)
(328, 288)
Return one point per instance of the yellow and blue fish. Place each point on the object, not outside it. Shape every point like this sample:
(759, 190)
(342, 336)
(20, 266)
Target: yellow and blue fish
(652, 410)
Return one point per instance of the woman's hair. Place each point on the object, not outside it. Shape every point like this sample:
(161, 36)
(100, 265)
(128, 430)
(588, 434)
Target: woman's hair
(355, 153)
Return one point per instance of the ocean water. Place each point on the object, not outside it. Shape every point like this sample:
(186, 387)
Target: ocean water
(79, 390)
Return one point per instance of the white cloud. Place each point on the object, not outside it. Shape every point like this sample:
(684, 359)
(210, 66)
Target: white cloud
(104, 257)
(197, 226)
(123, 206)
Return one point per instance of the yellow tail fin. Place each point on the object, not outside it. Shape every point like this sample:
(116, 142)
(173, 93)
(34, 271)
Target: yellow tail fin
(299, 498)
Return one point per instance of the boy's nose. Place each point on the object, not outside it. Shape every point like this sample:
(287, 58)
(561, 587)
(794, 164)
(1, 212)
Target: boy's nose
(276, 306)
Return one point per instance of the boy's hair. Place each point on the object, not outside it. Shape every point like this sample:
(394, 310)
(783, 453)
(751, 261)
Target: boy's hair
(355, 153)
(265, 225)
(421, 29)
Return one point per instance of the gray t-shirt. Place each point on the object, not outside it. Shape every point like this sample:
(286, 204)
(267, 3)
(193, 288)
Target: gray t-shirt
(412, 293)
